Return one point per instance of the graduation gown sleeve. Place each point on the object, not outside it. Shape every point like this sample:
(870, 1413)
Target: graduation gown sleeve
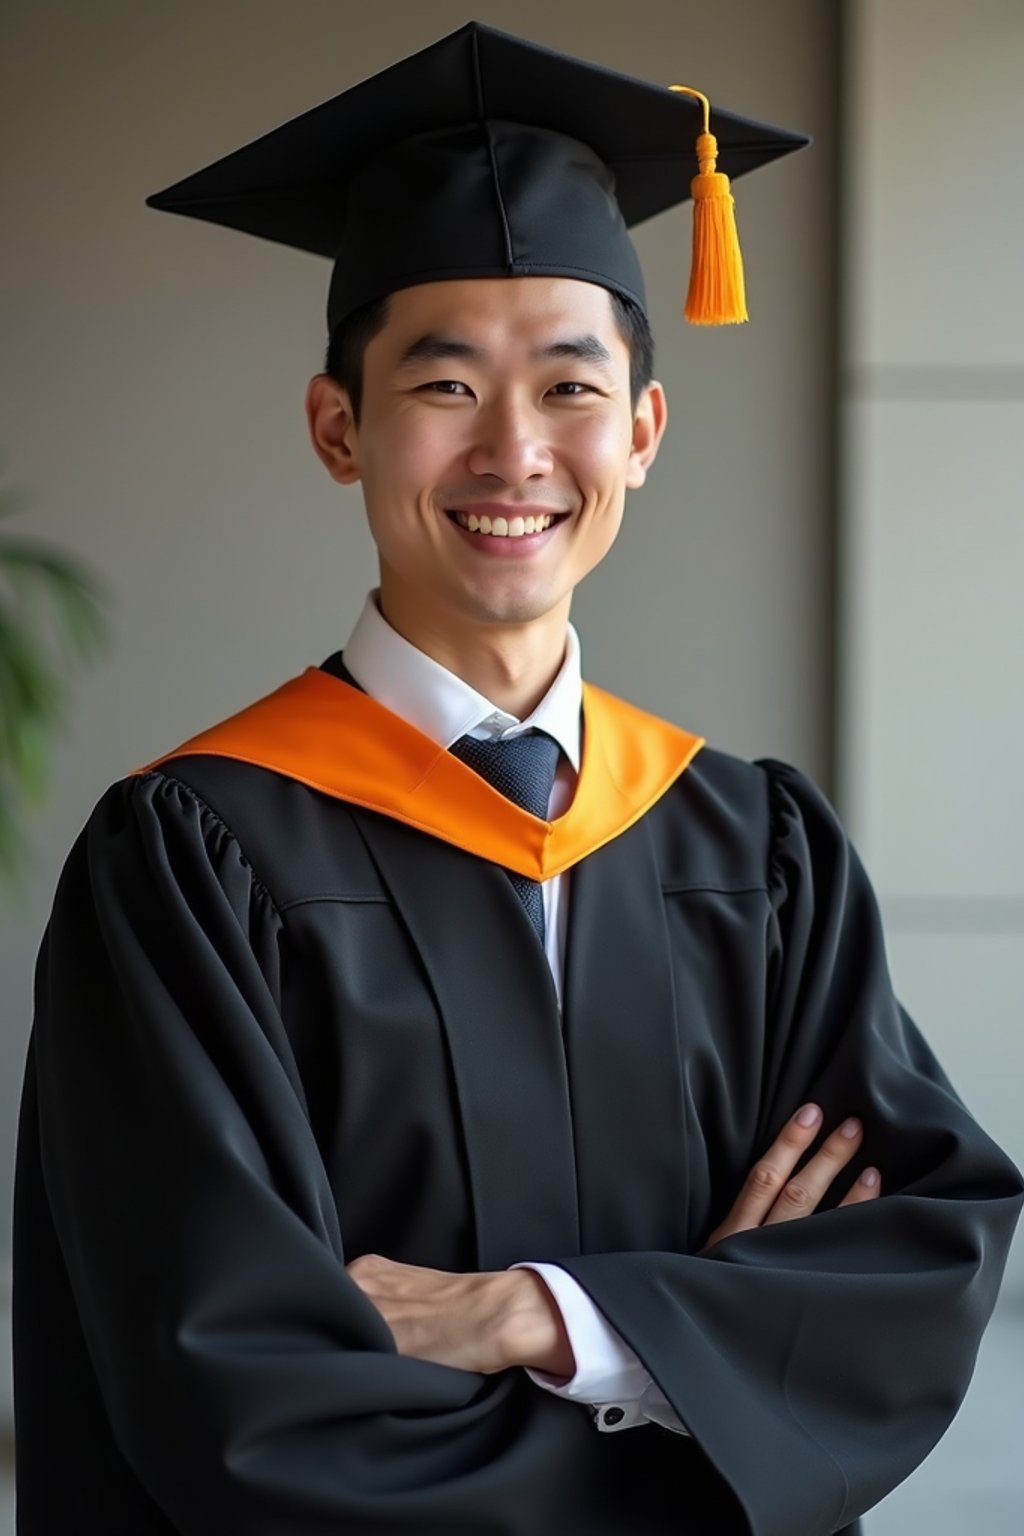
(248, 1382)
(817, 1362)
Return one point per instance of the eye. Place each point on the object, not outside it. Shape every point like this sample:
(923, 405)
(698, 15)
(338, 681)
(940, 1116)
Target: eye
(445, 386)
(574, 385)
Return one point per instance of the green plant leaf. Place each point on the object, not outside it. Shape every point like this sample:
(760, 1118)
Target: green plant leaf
(13, 842)
(35, 573)
(51, 620)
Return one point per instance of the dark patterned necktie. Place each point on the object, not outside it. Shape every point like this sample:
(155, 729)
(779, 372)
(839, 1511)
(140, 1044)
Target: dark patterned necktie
(522, 768)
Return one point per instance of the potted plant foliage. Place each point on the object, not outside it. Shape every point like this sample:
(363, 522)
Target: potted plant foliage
(51, 621)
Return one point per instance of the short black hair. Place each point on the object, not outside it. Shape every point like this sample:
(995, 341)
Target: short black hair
(347, 345)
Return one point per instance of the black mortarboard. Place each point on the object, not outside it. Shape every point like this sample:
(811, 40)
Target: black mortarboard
(484, 155)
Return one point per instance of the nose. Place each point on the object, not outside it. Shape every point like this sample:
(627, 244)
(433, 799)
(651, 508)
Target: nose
(510, 443)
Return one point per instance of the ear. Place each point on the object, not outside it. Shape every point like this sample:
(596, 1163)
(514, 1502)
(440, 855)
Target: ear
(649, 425)
(332, 429)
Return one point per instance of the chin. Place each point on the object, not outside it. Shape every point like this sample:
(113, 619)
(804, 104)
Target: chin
(513, 609)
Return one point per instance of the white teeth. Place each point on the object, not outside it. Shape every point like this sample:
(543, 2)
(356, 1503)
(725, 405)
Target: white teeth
(501, 527)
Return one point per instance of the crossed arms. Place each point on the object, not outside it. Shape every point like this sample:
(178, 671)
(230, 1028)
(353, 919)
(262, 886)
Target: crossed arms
(498, 1319)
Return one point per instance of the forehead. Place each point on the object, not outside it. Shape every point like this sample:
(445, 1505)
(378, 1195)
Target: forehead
(502, 312)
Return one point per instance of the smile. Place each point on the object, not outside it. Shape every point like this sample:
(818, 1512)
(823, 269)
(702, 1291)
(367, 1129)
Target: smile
(503, 527)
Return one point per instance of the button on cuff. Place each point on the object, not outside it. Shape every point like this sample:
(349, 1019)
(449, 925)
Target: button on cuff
(612, 1417)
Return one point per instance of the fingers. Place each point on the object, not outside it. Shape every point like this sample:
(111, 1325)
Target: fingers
(774, 1193)
(769, 1175)
(867, 1187)
(803, 1193)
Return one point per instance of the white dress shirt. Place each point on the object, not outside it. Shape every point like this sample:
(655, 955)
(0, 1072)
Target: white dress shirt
(609, 1378)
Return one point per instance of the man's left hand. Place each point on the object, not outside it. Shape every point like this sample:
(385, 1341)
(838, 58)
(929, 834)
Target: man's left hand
(476, 1322)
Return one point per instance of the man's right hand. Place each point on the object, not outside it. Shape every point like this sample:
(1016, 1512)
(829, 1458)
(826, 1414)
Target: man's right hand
(772, 1193)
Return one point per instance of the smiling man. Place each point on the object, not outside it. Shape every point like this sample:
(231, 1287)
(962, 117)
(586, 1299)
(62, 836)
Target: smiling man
(430, 1061)
(501, 436)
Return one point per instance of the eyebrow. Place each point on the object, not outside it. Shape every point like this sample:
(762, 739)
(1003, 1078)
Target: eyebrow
(588, 349)
(435, 346)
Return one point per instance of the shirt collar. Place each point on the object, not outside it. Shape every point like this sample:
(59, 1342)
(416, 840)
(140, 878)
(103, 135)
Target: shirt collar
(424, 693)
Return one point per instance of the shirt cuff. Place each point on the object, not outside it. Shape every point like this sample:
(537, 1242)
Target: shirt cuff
(609, 1376)
(606, 1368)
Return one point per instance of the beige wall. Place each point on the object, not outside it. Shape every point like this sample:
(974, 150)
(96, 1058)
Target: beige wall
(153, 371)
(931, 739)
(931, 742)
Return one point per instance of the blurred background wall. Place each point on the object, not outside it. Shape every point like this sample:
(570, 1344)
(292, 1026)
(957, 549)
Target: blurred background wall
(930, 563)
(860, 623)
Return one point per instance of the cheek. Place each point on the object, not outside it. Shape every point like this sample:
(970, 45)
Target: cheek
(599, 447)
(599, 460)
(405, 456)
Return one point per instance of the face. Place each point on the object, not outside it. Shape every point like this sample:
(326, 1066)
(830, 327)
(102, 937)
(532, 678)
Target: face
(498, 404)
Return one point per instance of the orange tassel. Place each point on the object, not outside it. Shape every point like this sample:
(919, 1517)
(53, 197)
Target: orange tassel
(716, 295)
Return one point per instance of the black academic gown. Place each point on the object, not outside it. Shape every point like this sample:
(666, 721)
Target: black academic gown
(275, 1032)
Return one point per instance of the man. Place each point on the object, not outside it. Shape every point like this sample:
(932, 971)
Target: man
(420, 1063)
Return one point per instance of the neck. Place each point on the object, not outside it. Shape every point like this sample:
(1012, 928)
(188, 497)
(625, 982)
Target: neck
(512, 665)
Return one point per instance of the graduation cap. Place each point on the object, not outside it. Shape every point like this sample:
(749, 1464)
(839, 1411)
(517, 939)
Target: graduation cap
(485, 155)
